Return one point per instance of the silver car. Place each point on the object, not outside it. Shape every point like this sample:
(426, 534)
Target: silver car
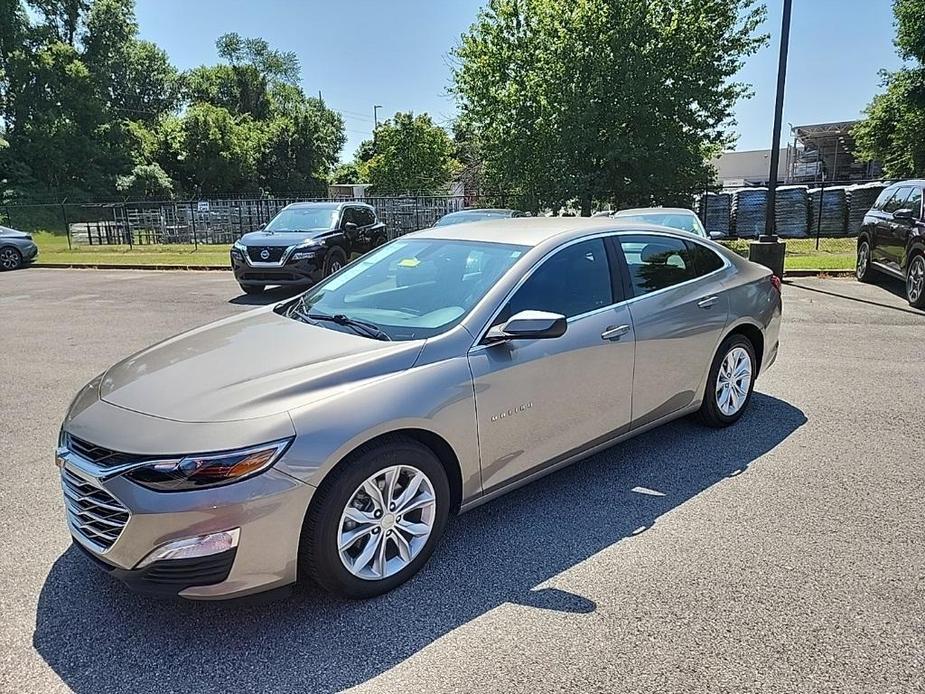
(16, 248)
(331, 435)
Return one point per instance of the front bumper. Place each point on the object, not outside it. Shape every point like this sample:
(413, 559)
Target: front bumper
(30, 253)
(269, 509)
(296, 272)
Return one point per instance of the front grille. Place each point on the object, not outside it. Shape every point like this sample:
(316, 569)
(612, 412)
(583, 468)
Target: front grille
(274, 253)
(93, 513)
(104, 457)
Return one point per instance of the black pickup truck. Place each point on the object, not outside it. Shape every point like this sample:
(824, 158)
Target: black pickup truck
(304, 243)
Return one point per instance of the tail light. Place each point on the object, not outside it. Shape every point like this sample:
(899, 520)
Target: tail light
(775, 282)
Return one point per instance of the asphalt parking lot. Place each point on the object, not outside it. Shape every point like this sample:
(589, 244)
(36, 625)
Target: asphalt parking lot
(785, 554)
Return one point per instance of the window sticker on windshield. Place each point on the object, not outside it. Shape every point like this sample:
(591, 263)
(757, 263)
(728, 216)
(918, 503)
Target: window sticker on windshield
(409, 262)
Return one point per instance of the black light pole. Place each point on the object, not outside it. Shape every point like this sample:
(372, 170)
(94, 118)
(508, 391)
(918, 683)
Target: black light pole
(769, 250)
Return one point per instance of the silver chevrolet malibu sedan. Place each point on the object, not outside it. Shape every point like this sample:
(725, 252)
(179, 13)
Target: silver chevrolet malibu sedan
(331, 435)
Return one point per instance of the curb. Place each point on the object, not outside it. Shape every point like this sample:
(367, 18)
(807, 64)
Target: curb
(219, 268)
(121, 266)
(815, 273)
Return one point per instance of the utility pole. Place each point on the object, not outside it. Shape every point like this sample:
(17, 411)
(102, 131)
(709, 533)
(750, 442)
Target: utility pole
(768, 249)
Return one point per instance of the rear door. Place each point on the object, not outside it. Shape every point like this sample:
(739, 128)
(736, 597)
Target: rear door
(890, 230)
(679, 309)
(902, 228)
(539, 401)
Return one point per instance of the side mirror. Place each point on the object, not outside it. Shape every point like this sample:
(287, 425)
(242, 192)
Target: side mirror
(904, 213)
(716, 235)
(350, 226)
(528, 325)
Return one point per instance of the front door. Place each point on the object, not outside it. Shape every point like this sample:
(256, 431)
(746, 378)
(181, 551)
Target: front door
(890, 229)
(538, 401)
(679, 311)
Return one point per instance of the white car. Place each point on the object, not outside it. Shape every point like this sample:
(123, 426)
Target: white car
(673, 217)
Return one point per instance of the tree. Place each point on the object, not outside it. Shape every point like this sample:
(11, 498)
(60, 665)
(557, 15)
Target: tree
(602, 99)
(346, 172)
(146, 181)
(411, 155)
(891, 131)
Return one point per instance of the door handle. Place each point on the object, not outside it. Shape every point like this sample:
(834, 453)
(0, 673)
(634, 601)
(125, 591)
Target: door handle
(615, 332)
(708, 302)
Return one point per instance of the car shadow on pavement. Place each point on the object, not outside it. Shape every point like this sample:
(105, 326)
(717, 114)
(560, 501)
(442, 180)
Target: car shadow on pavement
(267, 297)
(99, 637)
(890, 284)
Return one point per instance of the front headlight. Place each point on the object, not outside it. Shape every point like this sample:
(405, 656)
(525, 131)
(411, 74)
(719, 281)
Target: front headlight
(238, 246)
(212, 470)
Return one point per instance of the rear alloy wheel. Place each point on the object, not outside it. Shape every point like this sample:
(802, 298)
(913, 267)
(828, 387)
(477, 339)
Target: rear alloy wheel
(863, 270)
(915, 282)
(730, 384)
(377, 518)
(10, 258)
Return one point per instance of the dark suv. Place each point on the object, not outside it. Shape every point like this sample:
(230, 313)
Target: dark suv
(305, 242)
(892, 239)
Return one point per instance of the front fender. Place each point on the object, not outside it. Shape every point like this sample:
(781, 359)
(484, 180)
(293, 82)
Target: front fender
(436, 397)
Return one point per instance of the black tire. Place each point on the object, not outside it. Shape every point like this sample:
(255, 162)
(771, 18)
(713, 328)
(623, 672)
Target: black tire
(334, 260)
(318, 552)
(710, 412)
(253, 288)
(10, 258)
(863, 270)
(915, 281)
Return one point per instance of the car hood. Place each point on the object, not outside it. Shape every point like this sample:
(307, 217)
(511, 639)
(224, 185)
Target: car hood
(281, 238)
(248, 366)
(13, 234)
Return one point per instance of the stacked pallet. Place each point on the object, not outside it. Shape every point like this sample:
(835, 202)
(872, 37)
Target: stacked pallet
(791, 207)
(834, 215)
(861, 198)
(714, 211)
(749, 211)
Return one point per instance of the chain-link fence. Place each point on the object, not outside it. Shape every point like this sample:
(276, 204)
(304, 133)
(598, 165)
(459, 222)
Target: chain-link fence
(800, 212)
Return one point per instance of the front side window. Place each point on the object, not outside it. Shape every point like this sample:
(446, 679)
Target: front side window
(898, 200)
(575, 280)
(412, 288)
(656, 262)
(309, 218)
(365, 217)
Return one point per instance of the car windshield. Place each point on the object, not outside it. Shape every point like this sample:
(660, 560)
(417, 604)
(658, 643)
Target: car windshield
(684, 222)
(410, 288)
(320, 218)
(470, 216)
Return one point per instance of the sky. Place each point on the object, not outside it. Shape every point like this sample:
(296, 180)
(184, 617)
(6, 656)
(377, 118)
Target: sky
(359, 53)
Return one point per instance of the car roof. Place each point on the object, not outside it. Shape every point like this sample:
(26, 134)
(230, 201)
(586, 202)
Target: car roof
(532, 231)
(483, 210)
(329, 204)
(653, 210)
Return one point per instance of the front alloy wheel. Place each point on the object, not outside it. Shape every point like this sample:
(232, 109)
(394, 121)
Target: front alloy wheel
(915, 282)
(387, 522)
(376, 518)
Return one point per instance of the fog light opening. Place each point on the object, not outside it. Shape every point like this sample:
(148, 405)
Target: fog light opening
(193, 547)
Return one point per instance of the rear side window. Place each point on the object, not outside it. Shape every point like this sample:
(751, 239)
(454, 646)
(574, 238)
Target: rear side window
(705, 259)
(575, 280)
(914, 202)
(656, 262)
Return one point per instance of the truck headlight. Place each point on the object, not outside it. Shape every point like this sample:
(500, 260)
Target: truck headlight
(208, 470)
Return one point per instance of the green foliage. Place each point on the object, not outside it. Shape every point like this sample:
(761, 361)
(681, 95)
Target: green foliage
(600, 99)
(90, 110)
(146, 181)
(891, 131)
(410, 155)
(347, 172)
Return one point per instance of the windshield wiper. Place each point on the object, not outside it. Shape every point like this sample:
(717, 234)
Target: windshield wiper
(360, 327)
